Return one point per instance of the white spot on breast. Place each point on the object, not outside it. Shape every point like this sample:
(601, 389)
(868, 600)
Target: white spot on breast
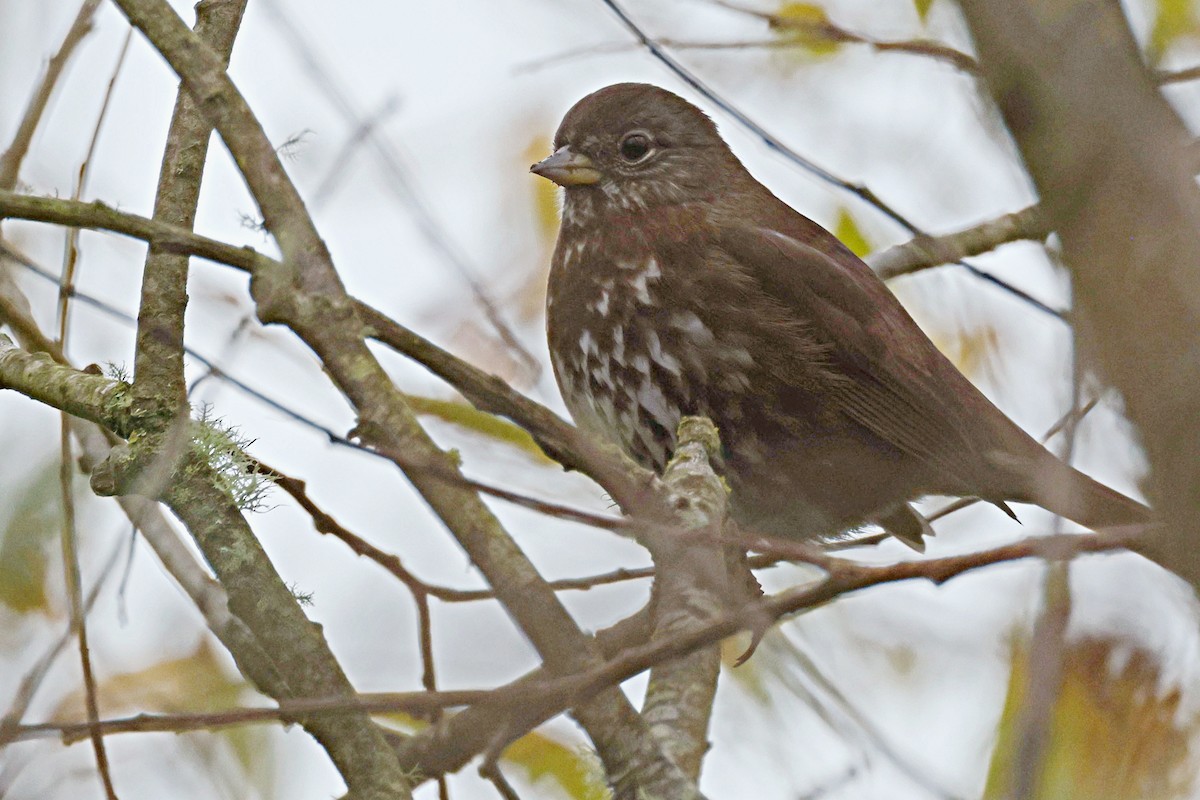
(564, 375)
(664, 360)
(732, 381)
(641, 281)
(618, 345)
(602, 373)
(601, 306)
(694, 327)
(587, 344)
(651, 398)
(740, 356)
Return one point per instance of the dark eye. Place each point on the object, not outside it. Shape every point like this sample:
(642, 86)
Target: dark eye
(635, 146)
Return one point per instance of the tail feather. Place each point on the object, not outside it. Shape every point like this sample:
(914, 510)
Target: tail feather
(1069, 493)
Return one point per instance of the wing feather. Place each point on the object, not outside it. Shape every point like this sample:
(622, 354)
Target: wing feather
(898, 385)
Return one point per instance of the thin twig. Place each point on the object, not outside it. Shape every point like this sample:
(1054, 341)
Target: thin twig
(341, 160)
(1166, 77)
(326, 524)
(10, 162)
(70, 555)
(418, 704)
(825, 30)
(490, 770)
(67, 462)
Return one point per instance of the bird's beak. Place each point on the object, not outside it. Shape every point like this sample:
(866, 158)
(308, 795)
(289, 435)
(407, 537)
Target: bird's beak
(566, 168)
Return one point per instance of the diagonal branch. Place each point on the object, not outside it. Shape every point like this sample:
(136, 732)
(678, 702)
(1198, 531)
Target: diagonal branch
(924, 251)
(10, 161)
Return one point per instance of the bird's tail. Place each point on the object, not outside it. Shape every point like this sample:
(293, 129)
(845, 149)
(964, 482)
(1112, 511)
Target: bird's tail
(1069, 493)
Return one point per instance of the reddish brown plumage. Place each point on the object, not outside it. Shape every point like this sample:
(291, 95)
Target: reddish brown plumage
(680, 285)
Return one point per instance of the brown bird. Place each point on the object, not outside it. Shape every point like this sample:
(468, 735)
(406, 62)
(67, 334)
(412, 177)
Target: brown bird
(681, 285)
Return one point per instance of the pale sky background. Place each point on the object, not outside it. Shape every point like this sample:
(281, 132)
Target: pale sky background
(469, 108)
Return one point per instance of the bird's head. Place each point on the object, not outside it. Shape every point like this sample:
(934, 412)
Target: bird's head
(632, 146)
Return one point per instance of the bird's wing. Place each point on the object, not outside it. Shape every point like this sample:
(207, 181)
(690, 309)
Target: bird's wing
(899, 386)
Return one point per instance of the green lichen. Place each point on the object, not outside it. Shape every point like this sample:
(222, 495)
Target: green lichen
(222, 448)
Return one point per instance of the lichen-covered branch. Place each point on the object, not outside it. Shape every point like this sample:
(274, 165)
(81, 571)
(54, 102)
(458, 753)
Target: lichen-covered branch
(146, 515)
(301, 658)
(260, 598)
(692, 585)
(88, 396)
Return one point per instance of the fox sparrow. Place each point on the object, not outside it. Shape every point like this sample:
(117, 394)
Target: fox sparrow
(681, 285)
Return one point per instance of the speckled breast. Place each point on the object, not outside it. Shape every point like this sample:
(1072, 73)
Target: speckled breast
(631, 346)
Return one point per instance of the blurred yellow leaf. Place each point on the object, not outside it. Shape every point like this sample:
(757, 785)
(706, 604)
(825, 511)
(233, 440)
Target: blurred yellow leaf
(751, 675)
(922, 7)
(545, 193)
(34, 525)
(902, 658)
(806, 25)
(531, 294)
(1173, 20)
(574, 769)
(846, 229)
(1113, 731)
(197, 682)
(467, 416)
(971, 350)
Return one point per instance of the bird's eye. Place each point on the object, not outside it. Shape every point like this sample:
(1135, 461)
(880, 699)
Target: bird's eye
(635, 146)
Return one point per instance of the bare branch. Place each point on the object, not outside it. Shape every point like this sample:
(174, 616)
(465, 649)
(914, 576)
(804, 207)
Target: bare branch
(10, 162)
(925, 251)
(821, 29)
(527, 702)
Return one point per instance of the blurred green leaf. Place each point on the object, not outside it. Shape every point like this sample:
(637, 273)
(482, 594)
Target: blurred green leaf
(751, 675)
(1173, 20)
(545, 193)
(807, 26)
(1114, 733)
(846, 229)
(467, 416)
(972, 351)
(922, 7)
(197, 682)
(574, 769)
(34, 524)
